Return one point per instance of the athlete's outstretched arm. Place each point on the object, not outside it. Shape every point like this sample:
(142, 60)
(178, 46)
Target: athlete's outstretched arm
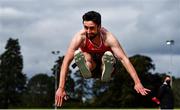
(74, 45)
(120, 54)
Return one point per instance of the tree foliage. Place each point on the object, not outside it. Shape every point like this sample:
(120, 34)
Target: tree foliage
(40, 92)
(12, 79)
(120, 92)
(176, 88)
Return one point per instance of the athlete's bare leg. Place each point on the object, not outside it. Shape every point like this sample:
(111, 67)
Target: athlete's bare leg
(89, 61)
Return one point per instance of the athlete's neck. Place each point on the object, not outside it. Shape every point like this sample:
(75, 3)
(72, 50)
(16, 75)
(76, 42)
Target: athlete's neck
(97, 40)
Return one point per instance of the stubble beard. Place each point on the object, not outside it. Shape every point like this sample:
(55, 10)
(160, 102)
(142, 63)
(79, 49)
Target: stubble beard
(92, 36)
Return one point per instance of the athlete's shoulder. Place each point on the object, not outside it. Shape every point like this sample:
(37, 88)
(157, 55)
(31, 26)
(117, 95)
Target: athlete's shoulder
(106, 32)
(81, 34)
(107, 35)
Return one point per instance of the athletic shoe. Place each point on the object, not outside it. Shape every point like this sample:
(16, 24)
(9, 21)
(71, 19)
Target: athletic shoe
(81, 63)
(108, 61)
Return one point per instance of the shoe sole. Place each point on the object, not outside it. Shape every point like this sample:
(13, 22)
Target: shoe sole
(81, 63)
(108, 61)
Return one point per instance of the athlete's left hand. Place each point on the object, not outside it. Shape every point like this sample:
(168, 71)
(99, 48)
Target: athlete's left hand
(140, 89)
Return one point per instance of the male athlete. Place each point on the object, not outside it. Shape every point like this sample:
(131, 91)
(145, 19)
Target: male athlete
(95, 48)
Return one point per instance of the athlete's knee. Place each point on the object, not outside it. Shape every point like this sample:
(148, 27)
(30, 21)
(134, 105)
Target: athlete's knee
(89, 61)
(77, 52)
(90, 65)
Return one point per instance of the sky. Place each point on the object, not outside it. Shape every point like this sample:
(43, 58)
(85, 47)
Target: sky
(141, 26)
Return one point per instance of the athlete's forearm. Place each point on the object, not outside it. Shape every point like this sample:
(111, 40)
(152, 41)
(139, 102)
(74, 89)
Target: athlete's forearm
(64, 70)
(129, 67)
(62, 78)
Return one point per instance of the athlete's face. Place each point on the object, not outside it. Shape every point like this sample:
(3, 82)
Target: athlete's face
(91, 28)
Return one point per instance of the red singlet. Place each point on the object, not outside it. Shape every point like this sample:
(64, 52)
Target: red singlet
(91, 48)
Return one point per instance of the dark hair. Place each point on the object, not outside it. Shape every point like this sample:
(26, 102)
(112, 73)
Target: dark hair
(166, 77)
(92, 16)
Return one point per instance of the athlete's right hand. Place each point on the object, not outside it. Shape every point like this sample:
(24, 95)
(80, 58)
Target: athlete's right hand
(60, 96)
(140, 89)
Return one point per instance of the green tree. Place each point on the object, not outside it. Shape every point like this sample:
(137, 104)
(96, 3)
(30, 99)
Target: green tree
(40, 92)
(12, 79)
(176, 88)
(120, 93)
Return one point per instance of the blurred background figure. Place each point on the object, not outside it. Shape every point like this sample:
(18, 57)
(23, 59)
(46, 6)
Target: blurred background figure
(165, 96)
